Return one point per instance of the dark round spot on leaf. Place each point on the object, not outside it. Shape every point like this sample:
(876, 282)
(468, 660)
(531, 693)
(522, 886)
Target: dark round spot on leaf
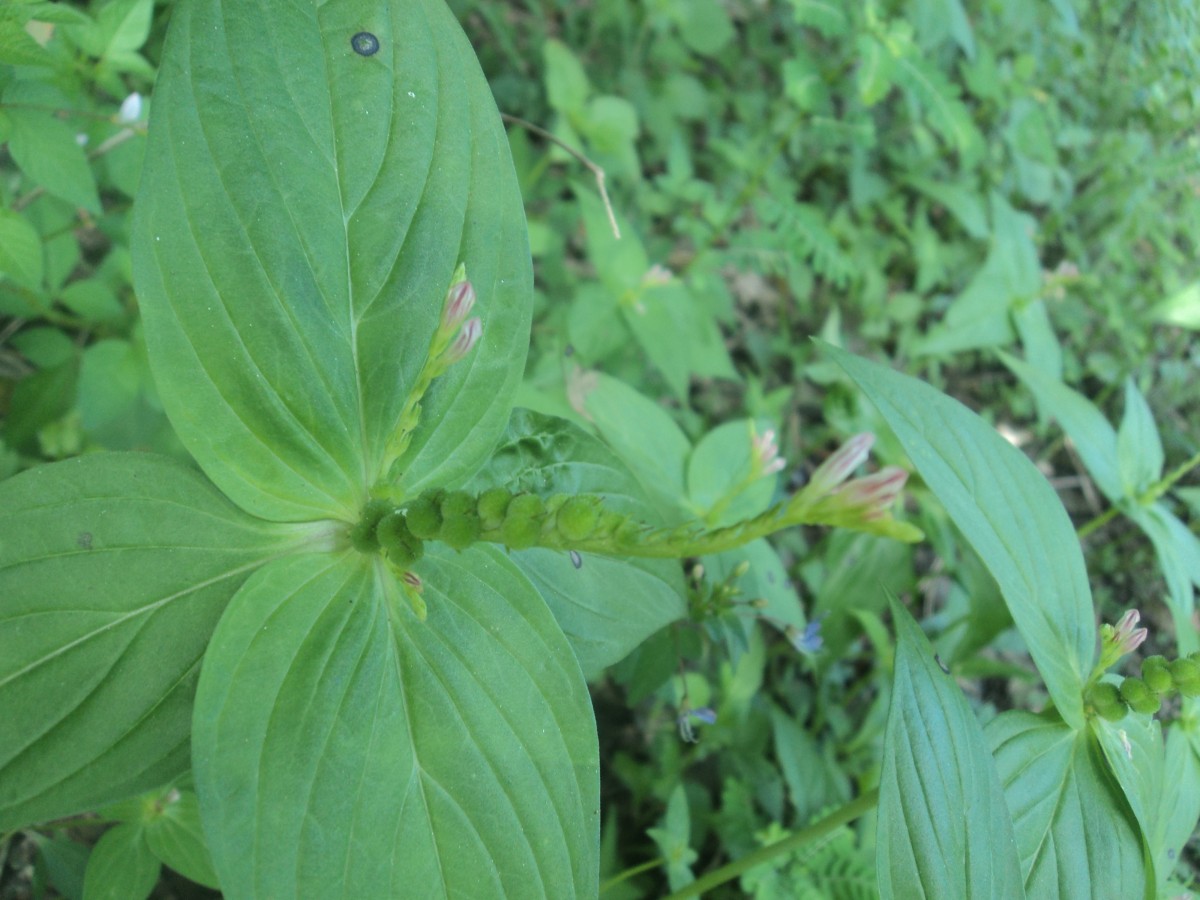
(365, 43)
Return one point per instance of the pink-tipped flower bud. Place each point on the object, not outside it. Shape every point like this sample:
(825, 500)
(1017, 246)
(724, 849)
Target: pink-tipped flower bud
(840, 465)
(459, 301)
(872, 494)
(1126, 636)
(465, 342)
(767, 460)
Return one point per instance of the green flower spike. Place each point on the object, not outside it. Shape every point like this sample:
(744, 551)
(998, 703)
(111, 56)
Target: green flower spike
(455, 337)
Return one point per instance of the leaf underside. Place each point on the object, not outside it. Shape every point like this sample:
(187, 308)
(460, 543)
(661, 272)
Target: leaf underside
(301, 212)
(114, 569)
(344, 749)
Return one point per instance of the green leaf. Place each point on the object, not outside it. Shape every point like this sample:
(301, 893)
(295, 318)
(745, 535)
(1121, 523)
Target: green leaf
(121, 866)
(345, 749)
(301, 213)
(20, 249)
(876, 69)
(944, 828)
(1093, 436)
(109, 382)
(826, 17)
(121, 27)
(567, 85)
(114, 569)
(606, 607)
(1133, 748)
(704, 26)
(1182, 308)
(45, 150)
(1075, 834)
(17, 48)
(174, 834)
(1179, 804)
(643, 435)
(1009, 514)
(672, 838)
(719, 469)
(1139, 448)
(1178, 552)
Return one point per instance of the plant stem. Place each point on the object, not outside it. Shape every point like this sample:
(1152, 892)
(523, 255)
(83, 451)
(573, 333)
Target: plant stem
(1151, 495)
(834, 820)
(629, 873)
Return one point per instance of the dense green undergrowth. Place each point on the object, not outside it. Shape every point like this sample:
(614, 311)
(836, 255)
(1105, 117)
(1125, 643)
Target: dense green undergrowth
(999, 197)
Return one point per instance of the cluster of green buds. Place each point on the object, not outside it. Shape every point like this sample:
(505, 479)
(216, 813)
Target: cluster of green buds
(1145, 695)
(1159, 678)
(518, 521)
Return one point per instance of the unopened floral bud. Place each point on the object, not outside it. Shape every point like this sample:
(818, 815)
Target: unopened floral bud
(1106, 699)
(1127, 637)
(1138, 695)
(740, 570)
(492, 505)
(841, 464)
(760, 603)
(766, 454)
(459, 302)
(413, 588)
(131, 109)
(424, 515)
(1156, 674)
(464, 343)
(872, 494)
(1185, 673)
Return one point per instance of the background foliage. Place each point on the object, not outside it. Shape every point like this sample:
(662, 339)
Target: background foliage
(929, 181)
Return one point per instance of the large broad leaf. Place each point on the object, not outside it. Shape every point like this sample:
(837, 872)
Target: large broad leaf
(301, 213)
(1094, 438)
(1008, 512)
(114, 570)
(1075, 833)
(345, 749)
(944, 828)
(605, 606)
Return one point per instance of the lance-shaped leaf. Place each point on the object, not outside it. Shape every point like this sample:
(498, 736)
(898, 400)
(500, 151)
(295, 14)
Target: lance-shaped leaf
(345, 749)
(305, 201)
(1009, 513)
(944, 828)
(114, 570)
(1076, 835)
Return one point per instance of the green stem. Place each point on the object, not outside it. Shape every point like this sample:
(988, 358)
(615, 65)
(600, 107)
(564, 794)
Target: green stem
(790, 844)
(630, 873)
(1150, 495)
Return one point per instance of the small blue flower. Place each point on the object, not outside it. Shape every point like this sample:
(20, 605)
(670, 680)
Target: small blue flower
(686, 729)
(809, 640)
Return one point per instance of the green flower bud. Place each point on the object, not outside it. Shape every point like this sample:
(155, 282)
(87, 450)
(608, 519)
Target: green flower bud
(362, 535)
(1106, 699)
(460, 520)
(1138, 695)
(1156, 674)
(577, 518)
(1186, 675)
(424, 515)
(397, 540)
(492, 505)
(523, 521)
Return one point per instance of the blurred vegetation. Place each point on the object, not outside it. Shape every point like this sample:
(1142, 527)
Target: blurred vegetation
(926, 181)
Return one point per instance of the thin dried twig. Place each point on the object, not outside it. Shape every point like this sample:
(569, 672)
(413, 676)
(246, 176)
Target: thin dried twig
(596, 170)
